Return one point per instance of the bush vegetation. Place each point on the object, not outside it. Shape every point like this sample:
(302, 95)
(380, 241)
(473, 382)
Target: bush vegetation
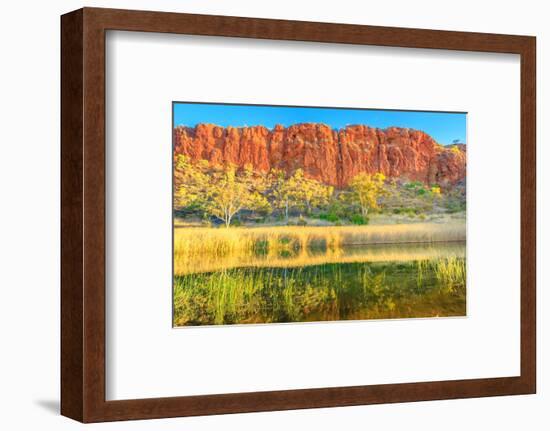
(231, 196)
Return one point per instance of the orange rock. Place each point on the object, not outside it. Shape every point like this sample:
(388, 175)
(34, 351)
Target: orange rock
(331, 156)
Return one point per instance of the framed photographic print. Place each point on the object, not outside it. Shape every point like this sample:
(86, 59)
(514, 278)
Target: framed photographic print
(267, 215)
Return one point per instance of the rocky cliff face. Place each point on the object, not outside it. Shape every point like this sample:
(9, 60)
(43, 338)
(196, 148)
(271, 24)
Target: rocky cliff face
(331, 156)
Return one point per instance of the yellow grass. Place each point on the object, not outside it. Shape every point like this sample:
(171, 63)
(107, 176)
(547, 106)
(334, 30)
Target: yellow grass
(206, 249)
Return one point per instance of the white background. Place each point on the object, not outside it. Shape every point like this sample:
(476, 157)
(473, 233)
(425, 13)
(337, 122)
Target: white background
(146, 358)
(29, 229)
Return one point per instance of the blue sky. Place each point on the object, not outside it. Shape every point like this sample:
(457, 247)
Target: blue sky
(444, 127)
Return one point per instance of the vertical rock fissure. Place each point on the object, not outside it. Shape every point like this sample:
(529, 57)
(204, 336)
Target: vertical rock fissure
(339, 161)
(379, 149)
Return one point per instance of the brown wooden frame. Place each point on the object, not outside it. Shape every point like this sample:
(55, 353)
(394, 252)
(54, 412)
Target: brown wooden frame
(83, 214)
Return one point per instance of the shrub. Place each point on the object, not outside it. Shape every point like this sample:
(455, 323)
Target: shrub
(339, 209)
(359, 219)
(413, 185)
(455, 206)
(331, 217)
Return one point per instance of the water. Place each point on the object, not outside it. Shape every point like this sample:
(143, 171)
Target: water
(351, 283)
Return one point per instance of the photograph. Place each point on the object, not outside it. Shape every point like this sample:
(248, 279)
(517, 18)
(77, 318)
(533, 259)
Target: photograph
(304, 214)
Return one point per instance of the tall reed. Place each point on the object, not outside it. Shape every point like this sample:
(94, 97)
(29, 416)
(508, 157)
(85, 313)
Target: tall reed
(197, 248)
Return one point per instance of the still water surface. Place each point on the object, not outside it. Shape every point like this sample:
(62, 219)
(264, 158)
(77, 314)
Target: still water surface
(350, 283)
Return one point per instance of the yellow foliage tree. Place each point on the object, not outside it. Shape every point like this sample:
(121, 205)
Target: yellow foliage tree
(296, 191)
(279, 190)
(306, 193)
(190, 182)
(456, 150)
(435, 191)
(366, 189)
(230, 192)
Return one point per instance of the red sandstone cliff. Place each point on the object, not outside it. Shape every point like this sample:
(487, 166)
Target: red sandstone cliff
(328, 155)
